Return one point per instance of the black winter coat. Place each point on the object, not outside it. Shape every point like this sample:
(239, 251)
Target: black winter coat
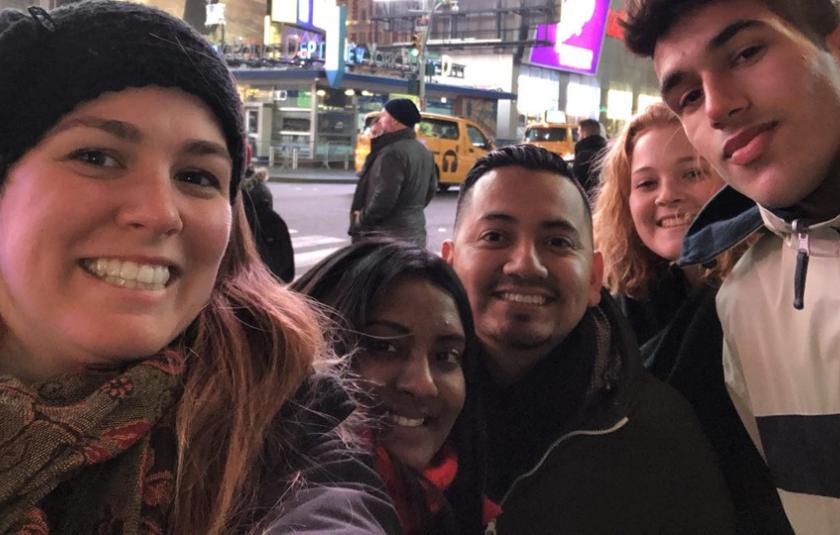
(686, 354)
(395, 185)
(629, 457)
(587, 151)
(271, 234)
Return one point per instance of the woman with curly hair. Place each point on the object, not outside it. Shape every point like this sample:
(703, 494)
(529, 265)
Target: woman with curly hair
(653, 183)
(154, 377)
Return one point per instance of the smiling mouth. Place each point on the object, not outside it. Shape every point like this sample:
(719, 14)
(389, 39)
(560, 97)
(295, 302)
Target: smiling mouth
(523, 298)
(676, 220)
(128, 274)
(404, 421)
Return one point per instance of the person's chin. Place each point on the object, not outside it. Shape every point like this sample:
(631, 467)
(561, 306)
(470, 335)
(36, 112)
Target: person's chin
(413, 456)
(523, 335)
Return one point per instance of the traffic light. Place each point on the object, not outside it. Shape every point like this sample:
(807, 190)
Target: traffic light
(416, 44)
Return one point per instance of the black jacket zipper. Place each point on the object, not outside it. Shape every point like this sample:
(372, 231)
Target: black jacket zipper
(801, 230)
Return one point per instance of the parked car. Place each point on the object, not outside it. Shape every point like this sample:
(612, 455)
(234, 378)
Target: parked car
(454, 142)
(559, 138)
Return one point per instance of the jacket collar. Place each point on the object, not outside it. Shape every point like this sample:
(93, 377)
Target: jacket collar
(378, 143)
(618, 367)
(823, 237)
(730, 217)
(727, 219)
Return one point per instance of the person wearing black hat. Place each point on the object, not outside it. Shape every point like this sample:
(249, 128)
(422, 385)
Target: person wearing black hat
(154, 376)
(397, 181)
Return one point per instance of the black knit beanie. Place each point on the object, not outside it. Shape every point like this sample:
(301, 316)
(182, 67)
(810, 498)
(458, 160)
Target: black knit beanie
(404, 111)
(50, 63)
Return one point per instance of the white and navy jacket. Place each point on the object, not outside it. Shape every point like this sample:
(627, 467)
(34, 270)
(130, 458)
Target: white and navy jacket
(780, 313)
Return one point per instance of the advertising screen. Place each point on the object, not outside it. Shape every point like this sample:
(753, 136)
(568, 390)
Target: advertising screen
(575, 41)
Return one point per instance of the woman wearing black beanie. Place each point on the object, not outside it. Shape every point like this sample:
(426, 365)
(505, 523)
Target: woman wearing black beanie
(154, 378)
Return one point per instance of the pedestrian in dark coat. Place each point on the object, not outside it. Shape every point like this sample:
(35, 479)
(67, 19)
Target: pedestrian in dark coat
(271, 234)
(587, 151)
(397, 181)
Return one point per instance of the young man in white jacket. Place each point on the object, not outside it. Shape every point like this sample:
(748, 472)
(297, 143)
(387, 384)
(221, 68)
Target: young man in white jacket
(756, 84)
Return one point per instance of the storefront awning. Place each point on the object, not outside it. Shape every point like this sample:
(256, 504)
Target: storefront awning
(364, 81)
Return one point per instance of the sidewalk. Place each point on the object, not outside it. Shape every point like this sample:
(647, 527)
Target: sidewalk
(312, 175)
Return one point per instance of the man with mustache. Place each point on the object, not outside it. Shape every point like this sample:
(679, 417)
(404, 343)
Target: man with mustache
(580, 438)
(756, 84)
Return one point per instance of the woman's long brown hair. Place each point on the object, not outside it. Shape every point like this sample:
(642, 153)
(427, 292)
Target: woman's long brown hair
(247, 353)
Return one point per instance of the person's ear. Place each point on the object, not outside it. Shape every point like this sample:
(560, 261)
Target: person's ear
(596, 278)
(447, 251)
(832, 43)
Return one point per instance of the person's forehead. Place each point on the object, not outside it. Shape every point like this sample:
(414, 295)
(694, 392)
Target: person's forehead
(525, 194)
(694, 35)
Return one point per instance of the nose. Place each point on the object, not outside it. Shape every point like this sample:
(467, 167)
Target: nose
(525, 262)
(416, 377)
(723, 101)
(151, 203)
(669, 192)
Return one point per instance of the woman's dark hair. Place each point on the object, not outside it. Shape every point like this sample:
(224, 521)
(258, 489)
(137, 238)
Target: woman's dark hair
(350, 281)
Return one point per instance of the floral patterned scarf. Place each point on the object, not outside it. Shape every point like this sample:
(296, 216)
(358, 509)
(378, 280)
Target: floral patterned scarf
(91, 453)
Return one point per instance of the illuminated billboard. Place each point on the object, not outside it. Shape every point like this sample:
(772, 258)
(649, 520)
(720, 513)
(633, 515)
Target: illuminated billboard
(575, 41)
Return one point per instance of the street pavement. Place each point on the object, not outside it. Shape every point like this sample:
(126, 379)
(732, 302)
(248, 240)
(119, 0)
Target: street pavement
(317, 214)
(319, 175)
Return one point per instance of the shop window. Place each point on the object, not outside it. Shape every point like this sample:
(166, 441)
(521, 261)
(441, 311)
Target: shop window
(253, 121)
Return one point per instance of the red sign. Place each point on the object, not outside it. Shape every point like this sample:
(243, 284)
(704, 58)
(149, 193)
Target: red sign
(614, 29)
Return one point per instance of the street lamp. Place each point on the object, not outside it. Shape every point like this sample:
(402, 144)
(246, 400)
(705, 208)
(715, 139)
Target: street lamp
(430, 7)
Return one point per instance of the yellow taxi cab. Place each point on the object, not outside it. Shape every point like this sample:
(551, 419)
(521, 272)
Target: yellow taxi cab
(559, 138)
(454, 142)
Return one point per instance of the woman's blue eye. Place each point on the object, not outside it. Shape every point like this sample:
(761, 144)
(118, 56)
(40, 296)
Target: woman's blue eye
(694, 174)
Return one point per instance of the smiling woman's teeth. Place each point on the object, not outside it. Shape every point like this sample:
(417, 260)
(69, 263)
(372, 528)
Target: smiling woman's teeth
(677, 220)
(404, 421)
(128, 274)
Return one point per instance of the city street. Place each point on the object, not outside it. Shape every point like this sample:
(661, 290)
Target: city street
(317, 216)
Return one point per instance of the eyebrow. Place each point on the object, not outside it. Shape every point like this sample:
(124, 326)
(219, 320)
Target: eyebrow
(391, 324)
(561, 223)
(650, 167)
(725, 35)
(129, 132)
(206, 148)
(120, 129)
(405, 331)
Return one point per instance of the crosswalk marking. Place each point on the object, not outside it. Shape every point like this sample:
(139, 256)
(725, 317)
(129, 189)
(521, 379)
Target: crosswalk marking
(300, 242)
(312, 248)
